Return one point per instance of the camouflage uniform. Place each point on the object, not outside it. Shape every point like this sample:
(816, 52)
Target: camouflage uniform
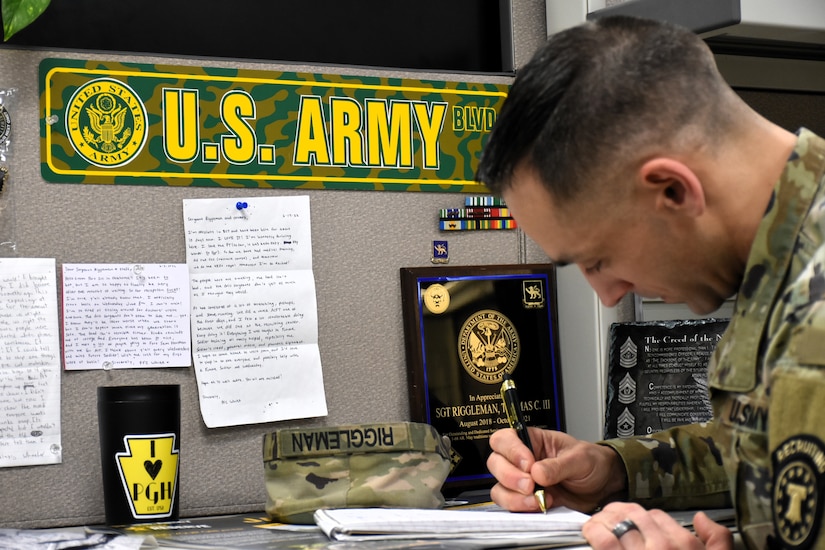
(772, 357)
(395, 464)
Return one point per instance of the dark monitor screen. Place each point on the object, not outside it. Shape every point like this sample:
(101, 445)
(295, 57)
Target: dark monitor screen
(457, 35)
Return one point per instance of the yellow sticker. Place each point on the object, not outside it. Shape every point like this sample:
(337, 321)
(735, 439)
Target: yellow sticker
(149, 473)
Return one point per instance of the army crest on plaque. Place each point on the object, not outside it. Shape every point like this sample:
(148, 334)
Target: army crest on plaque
(488, 345)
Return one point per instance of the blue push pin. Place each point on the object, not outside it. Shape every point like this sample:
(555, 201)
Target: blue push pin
(242, 207)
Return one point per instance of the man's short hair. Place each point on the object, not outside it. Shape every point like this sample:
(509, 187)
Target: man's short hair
(596, 96)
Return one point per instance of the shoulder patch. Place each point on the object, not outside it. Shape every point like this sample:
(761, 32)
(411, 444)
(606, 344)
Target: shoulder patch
(798, 470)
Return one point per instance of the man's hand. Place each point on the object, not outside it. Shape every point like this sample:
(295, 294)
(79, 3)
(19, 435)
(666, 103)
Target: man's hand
(574, 473)
(653, 529)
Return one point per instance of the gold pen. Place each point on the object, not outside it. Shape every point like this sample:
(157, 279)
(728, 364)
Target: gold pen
(512, 406)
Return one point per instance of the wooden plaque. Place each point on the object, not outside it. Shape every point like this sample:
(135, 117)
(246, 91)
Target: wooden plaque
(464, 327)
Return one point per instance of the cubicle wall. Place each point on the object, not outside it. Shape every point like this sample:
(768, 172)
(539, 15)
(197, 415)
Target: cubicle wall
(360, 239)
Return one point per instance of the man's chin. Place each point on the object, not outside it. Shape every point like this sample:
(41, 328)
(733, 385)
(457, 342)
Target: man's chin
(704, 309)
(698, 308)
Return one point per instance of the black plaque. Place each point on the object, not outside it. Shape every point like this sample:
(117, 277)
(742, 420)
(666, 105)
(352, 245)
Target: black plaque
(464, 327)
(657, 375)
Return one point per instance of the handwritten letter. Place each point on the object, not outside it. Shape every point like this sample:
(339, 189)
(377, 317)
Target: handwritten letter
(254, 316)
(125, 316)
(29, 363)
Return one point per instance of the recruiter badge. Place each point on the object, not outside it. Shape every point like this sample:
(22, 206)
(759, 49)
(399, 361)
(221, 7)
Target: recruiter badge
(106, 123)
(799, 469)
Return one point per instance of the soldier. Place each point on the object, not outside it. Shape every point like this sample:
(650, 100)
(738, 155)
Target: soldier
(621, 149)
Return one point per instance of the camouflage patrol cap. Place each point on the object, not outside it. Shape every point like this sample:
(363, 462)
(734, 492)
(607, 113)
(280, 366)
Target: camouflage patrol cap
(402, 465)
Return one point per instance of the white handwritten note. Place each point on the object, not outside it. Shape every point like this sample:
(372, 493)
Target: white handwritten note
(125, 316)
(29, 363)
(254, 315)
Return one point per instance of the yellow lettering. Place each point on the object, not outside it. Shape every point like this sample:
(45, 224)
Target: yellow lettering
(239, 146)
(347, 148)
(181, 132)
(430, 119)
(311, 136)
(473, 119)
(389, 134)
(458, 119)
(374, 134)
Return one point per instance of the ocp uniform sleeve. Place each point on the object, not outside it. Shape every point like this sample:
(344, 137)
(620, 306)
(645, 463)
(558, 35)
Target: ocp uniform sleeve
(674, 469)
(796, 435)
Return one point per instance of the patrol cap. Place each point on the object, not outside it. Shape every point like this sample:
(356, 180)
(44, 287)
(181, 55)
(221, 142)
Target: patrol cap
(400, 464)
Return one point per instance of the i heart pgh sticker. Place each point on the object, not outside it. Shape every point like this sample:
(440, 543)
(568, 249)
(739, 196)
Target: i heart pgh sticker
(149, 474)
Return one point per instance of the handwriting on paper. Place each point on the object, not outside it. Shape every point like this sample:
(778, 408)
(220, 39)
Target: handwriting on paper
(271, 312)
(125, 316)
(29, 363)
(233, 241)
(254, 316)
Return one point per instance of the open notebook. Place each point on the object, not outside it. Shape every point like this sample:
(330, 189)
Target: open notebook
(358, 524)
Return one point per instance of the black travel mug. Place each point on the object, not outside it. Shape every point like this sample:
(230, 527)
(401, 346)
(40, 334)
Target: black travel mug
(139, 452)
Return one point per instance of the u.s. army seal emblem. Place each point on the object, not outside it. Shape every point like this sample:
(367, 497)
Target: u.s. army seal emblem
(799, 465)
(106, 123)
(488, 345)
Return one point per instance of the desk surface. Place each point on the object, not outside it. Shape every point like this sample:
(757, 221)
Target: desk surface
(250, 531)
(240, 531)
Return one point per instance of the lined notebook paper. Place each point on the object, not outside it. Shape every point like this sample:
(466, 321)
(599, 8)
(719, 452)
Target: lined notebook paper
(383, 523)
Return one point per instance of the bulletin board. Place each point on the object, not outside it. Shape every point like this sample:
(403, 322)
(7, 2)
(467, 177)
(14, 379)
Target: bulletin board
(359, 239)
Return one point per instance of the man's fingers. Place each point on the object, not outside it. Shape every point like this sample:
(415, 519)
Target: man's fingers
(712, 534)
(513, 501)
(508, 475)
(562, 467)
(506, 443)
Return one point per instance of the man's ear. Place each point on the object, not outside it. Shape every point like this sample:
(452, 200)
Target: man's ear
(673, 184)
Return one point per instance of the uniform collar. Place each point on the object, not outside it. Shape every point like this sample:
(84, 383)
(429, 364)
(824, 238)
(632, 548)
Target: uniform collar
(769, 258)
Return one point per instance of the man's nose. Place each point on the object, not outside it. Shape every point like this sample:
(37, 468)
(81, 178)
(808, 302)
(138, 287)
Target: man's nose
(609, 289)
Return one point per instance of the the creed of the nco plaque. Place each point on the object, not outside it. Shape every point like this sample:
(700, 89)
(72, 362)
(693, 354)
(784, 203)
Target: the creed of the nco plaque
(464, 328)
(657, 375)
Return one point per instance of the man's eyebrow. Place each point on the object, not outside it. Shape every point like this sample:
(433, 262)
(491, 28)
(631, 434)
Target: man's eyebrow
(561, 262)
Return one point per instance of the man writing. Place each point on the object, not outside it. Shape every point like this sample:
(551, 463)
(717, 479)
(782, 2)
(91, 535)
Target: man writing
(621, 149)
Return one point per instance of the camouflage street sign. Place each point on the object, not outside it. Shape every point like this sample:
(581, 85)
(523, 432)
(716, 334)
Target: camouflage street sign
(141, 124)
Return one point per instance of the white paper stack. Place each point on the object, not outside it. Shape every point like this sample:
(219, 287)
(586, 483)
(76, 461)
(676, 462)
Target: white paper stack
(559, 525)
